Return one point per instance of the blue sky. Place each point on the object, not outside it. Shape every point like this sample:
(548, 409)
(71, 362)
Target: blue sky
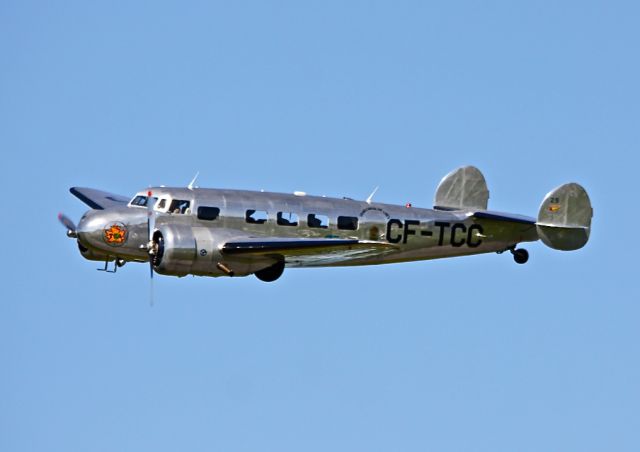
(331, 98)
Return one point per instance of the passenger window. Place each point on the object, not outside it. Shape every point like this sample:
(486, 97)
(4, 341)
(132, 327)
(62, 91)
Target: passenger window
(179, 206)
(162, 204)
(317, 221)
(208, 213)
(287, 219)
(256, 216)
(348, 223)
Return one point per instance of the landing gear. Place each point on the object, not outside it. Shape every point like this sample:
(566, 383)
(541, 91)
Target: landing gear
(117, 263)
(520, 255)
(272, 273)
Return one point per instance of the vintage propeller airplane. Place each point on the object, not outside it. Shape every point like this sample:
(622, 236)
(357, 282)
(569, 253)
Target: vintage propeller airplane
(213, 232)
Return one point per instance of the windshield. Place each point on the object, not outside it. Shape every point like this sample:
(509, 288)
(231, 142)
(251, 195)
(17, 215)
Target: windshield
(141, 201)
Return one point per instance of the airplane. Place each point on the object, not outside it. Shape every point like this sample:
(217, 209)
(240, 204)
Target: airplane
(221, 232)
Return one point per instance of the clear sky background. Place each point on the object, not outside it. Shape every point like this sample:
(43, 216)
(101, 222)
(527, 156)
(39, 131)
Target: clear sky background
(333, 98)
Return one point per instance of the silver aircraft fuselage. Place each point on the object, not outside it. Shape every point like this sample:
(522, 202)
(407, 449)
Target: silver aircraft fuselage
(213, 232)
(202, 245)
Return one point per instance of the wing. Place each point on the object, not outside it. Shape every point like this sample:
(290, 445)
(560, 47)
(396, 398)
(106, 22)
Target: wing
(97, 199)
(306, 252)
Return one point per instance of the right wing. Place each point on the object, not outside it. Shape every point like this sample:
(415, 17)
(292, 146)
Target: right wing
(305, 252)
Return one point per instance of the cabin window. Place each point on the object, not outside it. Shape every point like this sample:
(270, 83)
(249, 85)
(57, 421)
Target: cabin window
(317, 221)
(208, 213)
(162, 204)
(287, 219)
(348, 223)
(180, 206)
(256, 216)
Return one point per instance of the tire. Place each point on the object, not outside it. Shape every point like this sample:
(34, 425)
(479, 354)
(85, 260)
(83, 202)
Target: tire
(272, 273)
(521, 256)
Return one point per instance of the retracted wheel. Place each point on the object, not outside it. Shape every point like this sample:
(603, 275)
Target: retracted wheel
(521, 256)
(272, 273)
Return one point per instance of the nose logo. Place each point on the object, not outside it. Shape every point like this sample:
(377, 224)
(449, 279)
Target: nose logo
(115, 234)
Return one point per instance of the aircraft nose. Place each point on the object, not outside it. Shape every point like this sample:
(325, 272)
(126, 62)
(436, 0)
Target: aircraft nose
(102, 229)
(89, 221)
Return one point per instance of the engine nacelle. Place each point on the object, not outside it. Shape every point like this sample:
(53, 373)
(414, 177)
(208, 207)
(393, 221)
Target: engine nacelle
(176, 249)
(183, 249)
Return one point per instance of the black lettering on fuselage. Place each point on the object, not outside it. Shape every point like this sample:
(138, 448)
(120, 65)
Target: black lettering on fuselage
(398, 231)
(390, 223)
(454, 229)
(407, 231)
(441, 225)
(470, 237)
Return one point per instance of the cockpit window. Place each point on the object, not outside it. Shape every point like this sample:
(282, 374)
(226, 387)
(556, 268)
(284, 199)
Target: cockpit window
(179, 206)
(141, 201)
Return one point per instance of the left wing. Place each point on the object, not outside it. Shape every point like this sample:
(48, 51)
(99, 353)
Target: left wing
(98, 199)
(306, 252)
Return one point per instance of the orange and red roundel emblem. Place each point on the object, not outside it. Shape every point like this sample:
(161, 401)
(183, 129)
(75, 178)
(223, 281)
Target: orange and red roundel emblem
(115, 234)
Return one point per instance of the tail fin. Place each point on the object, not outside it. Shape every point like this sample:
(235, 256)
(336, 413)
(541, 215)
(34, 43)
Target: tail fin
(564, 220)
(461, 189)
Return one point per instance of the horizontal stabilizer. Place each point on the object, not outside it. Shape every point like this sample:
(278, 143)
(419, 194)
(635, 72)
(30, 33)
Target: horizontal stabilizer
(98, 199)
(564, 220)
(462, 189)
(507, 217)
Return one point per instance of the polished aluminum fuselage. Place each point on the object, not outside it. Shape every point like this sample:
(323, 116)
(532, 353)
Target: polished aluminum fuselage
(411, 233)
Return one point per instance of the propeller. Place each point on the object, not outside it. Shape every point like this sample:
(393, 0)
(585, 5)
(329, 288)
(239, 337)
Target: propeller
(151, 247)
(70, 225)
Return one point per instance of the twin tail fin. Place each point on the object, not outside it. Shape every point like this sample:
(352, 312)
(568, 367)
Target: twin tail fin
(564, 219)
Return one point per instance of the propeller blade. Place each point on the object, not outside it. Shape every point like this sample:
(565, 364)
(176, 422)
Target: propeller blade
(67, 223)
(151, 224)
(151, 282)
(151, 217)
